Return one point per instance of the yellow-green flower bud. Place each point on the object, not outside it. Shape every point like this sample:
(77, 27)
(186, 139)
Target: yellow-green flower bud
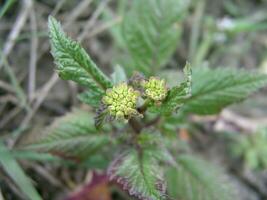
(155, 88)
(121, 101)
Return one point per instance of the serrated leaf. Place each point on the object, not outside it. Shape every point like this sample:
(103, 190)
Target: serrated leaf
(214, 89)
(17, 174)
(139, 174)
(176, 95)
(156, 144)
(102, 116)
(194, 179)
(152, 30)
(92, 98)
(73, 63)
(72, 136)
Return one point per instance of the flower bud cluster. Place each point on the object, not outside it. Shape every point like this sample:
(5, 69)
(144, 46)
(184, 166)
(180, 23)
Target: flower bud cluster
(155, 88)
(121, 101)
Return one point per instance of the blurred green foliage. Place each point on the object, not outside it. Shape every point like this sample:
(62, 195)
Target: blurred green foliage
(252, 149)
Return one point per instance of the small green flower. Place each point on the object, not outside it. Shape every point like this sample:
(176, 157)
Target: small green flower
(155, 89)
(121, 101)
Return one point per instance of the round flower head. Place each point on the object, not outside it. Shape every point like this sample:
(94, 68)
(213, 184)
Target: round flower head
(155, 89)
(121, 101)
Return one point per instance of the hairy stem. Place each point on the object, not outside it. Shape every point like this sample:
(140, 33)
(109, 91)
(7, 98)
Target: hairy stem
(136, 125)
(142, 109)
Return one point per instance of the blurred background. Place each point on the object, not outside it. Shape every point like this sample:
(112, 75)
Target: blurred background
(214, 33)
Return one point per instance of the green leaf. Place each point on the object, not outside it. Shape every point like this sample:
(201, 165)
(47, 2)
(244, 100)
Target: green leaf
(139, 174)
(92, 98)
(34, 156)
(152, 30)
(194, 179)
(73, 63)
(119, 75)
(102, 116)
(98, 161)
(17, 174)
(214, 89)
(72, 136)
(253, 149)
(4, 8)
(176, 95)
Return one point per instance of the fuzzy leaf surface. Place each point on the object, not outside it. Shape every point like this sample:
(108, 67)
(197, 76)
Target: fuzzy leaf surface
(102, 116)
(139, 174)
(152, 30)
(91, 97)
(194, 179)
(73, 63)
(71, 136)
(214, 89)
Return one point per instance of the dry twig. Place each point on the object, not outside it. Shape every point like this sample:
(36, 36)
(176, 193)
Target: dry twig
(80, 8)
(6, 87)
(14, 33)
(44, 91)
(33, 55)
(92, 20)
(102, 27)
(250, 125)
(9, 116)
(46, 174)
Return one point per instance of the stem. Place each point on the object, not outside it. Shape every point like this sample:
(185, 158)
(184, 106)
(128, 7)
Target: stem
(143, 108)
(136, 125)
